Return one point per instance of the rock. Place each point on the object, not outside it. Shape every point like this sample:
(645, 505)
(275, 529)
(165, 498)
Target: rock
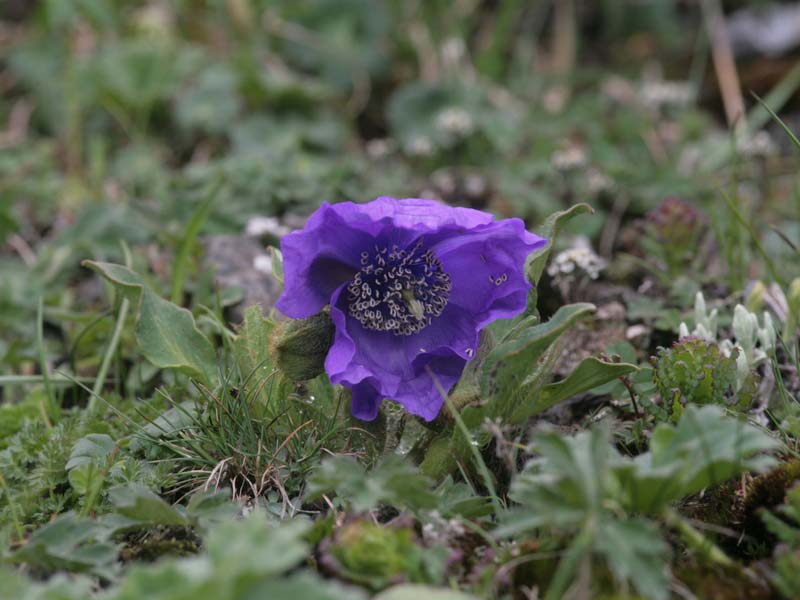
(242, 262)
(770, 30)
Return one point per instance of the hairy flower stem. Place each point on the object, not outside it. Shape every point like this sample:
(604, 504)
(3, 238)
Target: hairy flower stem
(470, 440)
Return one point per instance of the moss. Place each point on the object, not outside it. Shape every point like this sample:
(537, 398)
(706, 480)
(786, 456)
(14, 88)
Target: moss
(716, 583)
(162, 541)
(766, 492)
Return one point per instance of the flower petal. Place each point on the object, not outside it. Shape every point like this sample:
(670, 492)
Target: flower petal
(365, 400)
(414, 214)
(487, 269)
(419, 394)
(317, 259)
(393, 366)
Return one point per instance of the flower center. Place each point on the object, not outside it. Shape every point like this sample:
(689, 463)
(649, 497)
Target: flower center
(398, 290)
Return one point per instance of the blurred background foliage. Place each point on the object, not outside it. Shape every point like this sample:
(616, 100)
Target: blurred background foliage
(120, 118)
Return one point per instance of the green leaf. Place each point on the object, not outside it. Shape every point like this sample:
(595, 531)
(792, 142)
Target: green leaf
(277, 263)
(787, 532)
(705, 448)
(256, 547)
(549, 231)
(590, 373)
(87, 462)
(413, 591)
(242, 556)
(305, 586)
(565, 485)
(569, 488)
(166, 333)
(59, 587)
(780, 122)
(70, 543)
(635, 552)
(394, 481)
(251, 350)
(90, 448)
(140, 506)
(510, 377)
(713, 446)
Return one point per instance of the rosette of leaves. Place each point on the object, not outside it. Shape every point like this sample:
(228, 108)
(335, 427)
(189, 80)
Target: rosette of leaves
(601, 506)
(695, 371)
(376, 556)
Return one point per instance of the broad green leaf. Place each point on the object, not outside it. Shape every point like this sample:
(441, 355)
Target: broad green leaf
(207, 508)
(590, 373)
(635, 551)
(87, 462)
(569, 488)
(86, 478)
(394, 481)
(305, 586)
(251, 350)
(255, 547)
(549, 231)
(715, 447)
(140, 506)
(60, 587)
(166, 333)
(245, 558)
(705, 448)
(70, 544)
(510, 378)
(565, 485)
(414, 591)
(90, 448)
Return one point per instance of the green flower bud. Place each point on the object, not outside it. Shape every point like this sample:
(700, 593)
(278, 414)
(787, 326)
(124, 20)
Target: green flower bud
(300, 346)
(755, 300)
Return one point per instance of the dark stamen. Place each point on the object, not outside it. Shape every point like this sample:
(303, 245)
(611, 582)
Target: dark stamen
(398, 290)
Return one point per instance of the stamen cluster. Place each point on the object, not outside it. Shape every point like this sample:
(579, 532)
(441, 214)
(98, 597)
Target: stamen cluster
(398, 290)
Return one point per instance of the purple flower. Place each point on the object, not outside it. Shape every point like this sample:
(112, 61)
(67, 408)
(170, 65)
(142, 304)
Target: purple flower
(410, 284)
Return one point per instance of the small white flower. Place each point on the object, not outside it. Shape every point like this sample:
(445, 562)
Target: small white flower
(419, 145)
(580, 257)
(263, 263)
(660, 94)
(598, 182)
(380, 147)
(455, 120)
(568, 159)
(258, 226)
(475, 185)
(757, 144)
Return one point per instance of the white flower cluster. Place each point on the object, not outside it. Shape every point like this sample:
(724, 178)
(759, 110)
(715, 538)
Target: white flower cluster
(380, 148)
(580, 257)
(573, 157)
(597, 182)
(455, 120)
(754, 341)
(261, 225)
(758, 144)
(658, 94)
(419, 145)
